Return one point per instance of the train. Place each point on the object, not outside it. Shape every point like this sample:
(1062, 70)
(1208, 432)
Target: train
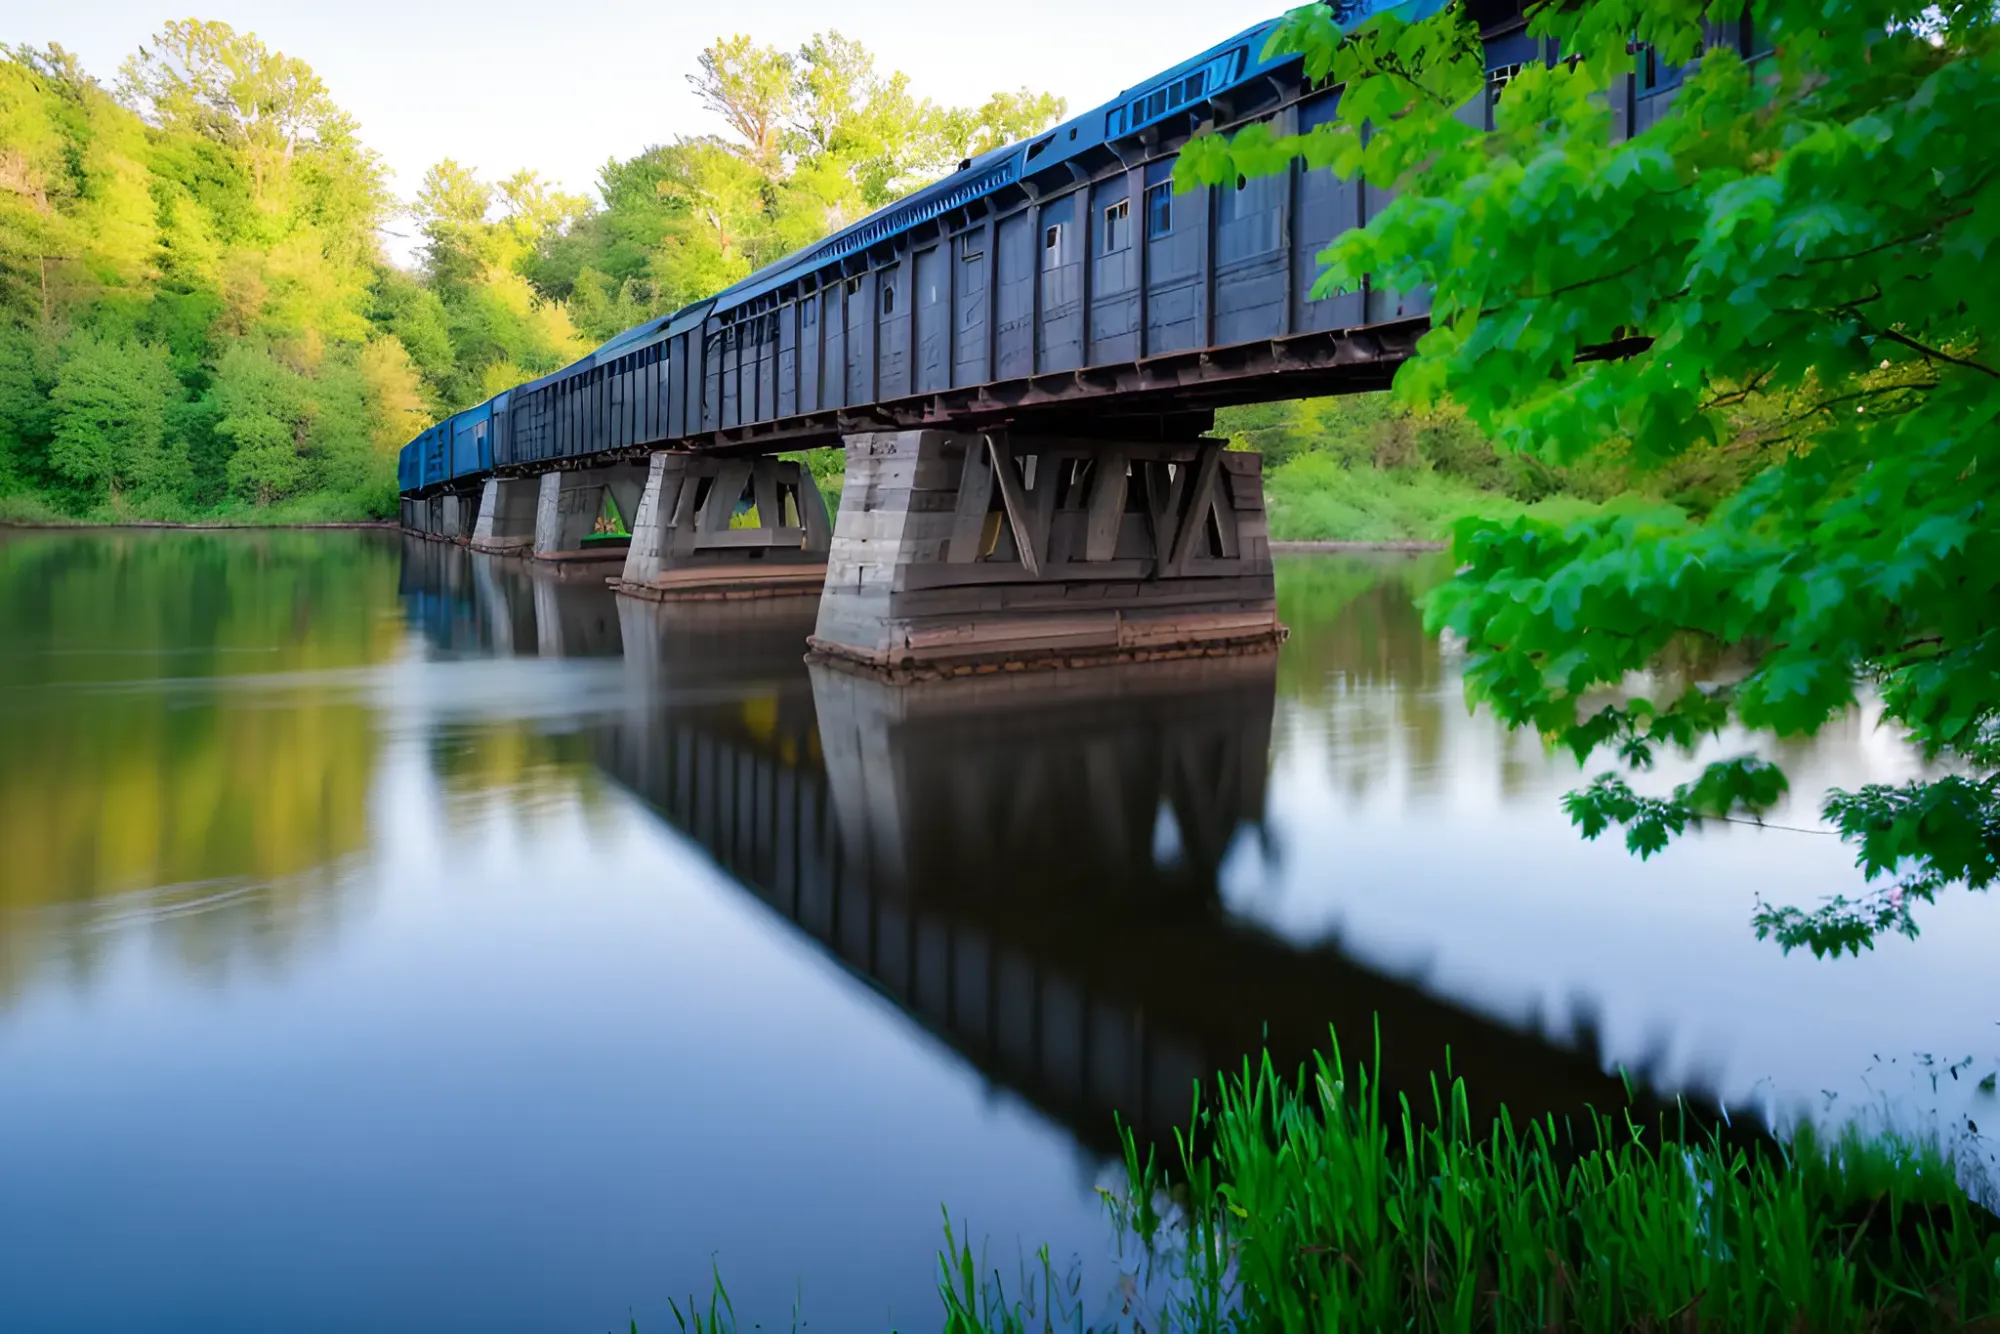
(1036, 264)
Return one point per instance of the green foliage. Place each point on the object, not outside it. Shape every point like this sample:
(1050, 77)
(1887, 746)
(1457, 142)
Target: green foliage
(1805, 238)
(262, 409)
(189, 304)
(815, 138)
(1314, 497)
(1318, 1203)
(108, 412)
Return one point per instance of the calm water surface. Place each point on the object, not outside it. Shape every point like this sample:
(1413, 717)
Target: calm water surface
(400, 940)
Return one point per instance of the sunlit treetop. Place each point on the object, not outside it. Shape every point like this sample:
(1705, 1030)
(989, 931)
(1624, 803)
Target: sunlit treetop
(1799, 259)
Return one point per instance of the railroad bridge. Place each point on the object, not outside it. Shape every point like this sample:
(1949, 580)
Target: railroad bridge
(1022, 361)
(1027, 865)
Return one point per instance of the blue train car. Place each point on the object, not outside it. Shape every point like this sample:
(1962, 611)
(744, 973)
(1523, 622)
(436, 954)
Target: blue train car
(409, 473)
(1036, 276)
(434, 446)
(499, 432)
(471, 442)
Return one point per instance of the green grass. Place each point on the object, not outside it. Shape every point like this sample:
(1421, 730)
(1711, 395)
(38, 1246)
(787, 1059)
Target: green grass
(1315, 1202)
(1315, 497)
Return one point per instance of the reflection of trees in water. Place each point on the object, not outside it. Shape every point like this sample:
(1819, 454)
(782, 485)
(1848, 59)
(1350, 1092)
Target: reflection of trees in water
(1354, 621)
(535, 775)
(174, 752)
(1367, 687)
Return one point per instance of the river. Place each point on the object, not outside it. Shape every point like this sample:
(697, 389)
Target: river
(397, 939)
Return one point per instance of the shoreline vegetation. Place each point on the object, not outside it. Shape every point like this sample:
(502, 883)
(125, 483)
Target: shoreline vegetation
(1320, 1201)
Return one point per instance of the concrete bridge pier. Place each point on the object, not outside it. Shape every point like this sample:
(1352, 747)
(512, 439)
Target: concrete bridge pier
(726, 528)
(506, 520)
(431, 519)
(460, 515)
(570, 504)
(956, 554)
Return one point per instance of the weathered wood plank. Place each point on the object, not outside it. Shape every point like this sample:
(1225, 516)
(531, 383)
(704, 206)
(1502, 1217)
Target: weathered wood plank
(730, 479)
(975, 498)
(1016, 503)
(1163, 507)
(1110, 477)
(1042, 503)
(1194, 518)
(684, 517)
(764, 492)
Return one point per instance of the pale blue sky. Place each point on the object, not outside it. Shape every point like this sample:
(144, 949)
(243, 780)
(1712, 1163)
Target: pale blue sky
(560, 87)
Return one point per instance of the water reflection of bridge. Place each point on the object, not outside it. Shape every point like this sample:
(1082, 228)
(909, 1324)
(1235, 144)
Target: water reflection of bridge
(1027, 865)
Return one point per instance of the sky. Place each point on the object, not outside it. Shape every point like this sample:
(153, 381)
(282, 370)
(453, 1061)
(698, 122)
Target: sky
(562, 87)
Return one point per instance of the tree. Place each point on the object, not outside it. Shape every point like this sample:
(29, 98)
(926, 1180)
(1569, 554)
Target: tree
(1004, 118)
(750, 87)
(394, 394)
(28, 361)
(230, 87)
(451, 209)
(264, 409)
(1809, 232)
(534, 212)
(814, 139)
(109, 409)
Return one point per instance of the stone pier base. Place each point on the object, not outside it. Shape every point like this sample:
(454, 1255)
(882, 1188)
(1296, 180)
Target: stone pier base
(569, 505)
(460, 515)
(506, 521)
(721, 528)
(958, 554)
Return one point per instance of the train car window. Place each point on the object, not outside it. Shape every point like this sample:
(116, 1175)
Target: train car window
(852, 286)
(1160, 210)
(889, 297)
(972, 245)
(1117, 226)
(1052, 246)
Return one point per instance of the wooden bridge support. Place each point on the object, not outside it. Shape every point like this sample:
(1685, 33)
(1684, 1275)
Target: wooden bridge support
(507, 515)
(726, 528)
(956, 554)
(570, 504)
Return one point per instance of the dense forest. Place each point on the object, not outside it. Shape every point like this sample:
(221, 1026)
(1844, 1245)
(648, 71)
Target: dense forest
(197, 318)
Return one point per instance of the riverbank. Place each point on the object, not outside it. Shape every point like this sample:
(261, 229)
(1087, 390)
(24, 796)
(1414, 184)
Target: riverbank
(28, 510)
(1318, 502)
